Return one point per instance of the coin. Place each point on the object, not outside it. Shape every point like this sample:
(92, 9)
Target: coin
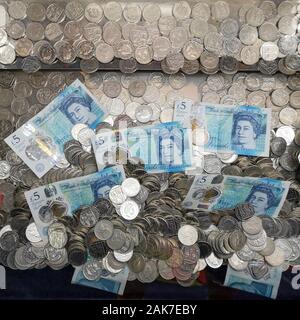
(103, 229)
(104, 52)
(113, 11)
(74, 10)
(17, 9)
(269, 51)
(55, 12)
(151, 13)
(36, 12)
(7, 54)
(129, 210)
(188, 235)
(4, 169)
(93, 12)
(255, 16)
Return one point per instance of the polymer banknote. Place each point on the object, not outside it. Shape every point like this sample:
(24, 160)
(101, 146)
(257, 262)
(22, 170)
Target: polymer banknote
(164, 147)
(242, 280)
(114, 283)
(220, 192)
(40, 141)
(244, 130)
(65, 197)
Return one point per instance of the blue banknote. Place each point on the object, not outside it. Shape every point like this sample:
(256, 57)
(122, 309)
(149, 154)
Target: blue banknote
(242, 280)
(244, 130)
(39, 142)
(164, 147)
(217, 192)
(114, 283)
(69, 195)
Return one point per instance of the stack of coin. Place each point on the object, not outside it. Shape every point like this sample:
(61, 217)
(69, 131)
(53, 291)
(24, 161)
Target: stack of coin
(175, 34)
(128, 198)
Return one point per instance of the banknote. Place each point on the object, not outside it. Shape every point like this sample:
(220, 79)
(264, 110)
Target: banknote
(244, 130)
(217, 192)
(65, 197)
(163, 147)
(114, 283)
(39, 142)
(242, 280)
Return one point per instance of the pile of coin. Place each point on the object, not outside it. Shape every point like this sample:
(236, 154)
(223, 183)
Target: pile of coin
(179, 35)
(152, 235)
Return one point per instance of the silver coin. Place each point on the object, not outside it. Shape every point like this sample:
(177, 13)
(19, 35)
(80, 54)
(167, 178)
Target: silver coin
(213, 42)
(287, 44)
(268, 32)
(73, 30)
(116, 195)
(287, 133)
(53, 32)
(151, 12)
(143, 113)
(137, 88)
(177, 80)
(103, 229)
(85, 49)
(15, 30)
(249, 55)
(255, 16)
(36, 12)
(132, 13)
(7, 54)
(199, 28)
(288, 25)
(220, 10)
(248, 34)
(294, 99)
(161, 48)
(64, 51)
(17, 9)
(112, 88)
(45, 52)
(55, 12)
(129, 210)
(93, 12)
(35, 31)
(187, 235)
(229, 27)
(178, 37)
(138, 35)
(104, 52)
(4, 169)
(213, 262)
(201, 10)
(143, 54)
(113, 11)
(269, 51)
(192, 50)
(112, 33)
(280, 97)
(288, 116)
(74, 10)
(166, 24)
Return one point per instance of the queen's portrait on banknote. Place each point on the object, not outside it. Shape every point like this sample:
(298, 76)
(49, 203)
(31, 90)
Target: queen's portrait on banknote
(101, 188)
(77, 109)
(262, 198)
(245, 131)
(170, 146)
